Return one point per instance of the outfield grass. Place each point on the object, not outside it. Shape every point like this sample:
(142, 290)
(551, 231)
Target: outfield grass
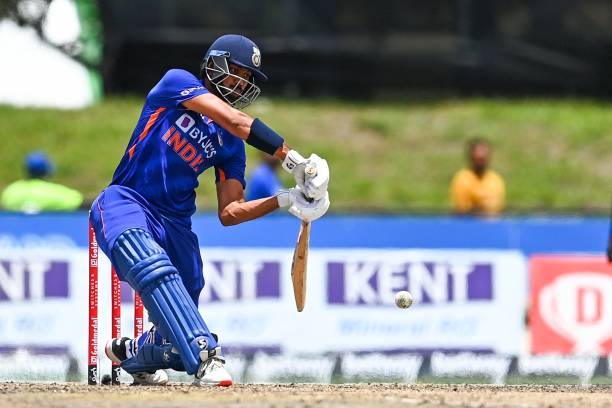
(556, 155)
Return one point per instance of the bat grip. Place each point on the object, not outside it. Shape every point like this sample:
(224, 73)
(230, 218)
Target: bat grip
(310, 171)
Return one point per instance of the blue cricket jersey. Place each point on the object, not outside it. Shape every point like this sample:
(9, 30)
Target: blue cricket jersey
(172, 145)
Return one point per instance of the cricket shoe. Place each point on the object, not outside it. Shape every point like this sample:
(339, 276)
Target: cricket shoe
(116, 351)
(212, 371)
(159, 377)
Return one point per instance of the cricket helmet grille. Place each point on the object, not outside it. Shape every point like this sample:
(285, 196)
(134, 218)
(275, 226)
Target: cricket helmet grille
(240, 51)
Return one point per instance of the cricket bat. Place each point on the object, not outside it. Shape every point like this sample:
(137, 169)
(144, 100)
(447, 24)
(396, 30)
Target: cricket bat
(299, 266)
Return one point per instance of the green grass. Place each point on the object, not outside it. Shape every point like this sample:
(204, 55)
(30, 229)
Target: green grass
(555, 155)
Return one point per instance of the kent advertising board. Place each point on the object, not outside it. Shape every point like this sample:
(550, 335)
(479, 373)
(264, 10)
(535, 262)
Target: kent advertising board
(460, 297)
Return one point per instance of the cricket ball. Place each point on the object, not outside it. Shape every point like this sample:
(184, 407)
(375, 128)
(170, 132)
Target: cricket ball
(403, 299)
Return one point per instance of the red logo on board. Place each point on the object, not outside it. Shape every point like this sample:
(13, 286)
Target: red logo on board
(571, 305)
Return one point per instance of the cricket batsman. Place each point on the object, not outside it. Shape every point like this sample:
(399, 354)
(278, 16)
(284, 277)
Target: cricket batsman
(142, 219)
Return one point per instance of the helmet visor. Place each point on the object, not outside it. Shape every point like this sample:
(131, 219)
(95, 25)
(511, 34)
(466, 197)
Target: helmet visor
(236, 90)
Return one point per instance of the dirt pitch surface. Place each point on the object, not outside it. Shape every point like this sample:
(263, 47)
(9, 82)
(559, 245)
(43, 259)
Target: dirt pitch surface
(41, 395)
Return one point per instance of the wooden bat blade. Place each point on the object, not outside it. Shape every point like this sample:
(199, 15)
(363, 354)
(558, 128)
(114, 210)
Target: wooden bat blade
(299, 266)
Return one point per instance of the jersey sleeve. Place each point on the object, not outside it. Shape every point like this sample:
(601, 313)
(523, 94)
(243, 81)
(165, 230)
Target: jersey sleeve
(176, 87)
(233, 167)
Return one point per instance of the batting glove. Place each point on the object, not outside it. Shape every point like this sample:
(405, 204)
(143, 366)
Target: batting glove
(301, 207)
(313, 186)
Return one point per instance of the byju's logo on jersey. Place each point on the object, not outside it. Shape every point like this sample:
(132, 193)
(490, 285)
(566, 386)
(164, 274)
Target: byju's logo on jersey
(185, 122)
(186, 149)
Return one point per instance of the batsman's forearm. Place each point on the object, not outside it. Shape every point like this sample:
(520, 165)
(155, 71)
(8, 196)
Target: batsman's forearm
(237, 212)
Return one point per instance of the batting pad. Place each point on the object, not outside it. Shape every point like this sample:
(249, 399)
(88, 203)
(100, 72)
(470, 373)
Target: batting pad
(145, 265)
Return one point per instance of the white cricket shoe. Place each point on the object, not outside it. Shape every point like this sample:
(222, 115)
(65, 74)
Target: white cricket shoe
(212, 372)
(116, 350)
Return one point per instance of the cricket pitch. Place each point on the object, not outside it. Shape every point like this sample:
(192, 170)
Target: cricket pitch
(42, 395)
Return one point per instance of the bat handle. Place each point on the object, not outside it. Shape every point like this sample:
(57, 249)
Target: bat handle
(310, 171)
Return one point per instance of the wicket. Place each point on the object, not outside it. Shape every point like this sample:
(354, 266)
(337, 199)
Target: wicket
(92, 354)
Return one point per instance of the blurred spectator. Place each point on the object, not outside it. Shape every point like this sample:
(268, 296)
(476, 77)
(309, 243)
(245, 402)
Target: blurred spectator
(35, 194)
(477, 189)
(264, 181)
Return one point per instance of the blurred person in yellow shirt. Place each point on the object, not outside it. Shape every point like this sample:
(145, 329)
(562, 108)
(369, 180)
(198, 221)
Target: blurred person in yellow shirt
(478, 189)
(35, 194)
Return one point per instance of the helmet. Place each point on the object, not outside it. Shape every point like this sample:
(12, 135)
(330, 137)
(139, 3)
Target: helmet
(38, 164)
(238, 50)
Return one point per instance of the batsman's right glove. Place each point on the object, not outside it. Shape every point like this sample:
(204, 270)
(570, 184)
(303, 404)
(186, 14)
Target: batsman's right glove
(313, 186)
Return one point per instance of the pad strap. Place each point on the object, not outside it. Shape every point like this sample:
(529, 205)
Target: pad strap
(152, 357)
